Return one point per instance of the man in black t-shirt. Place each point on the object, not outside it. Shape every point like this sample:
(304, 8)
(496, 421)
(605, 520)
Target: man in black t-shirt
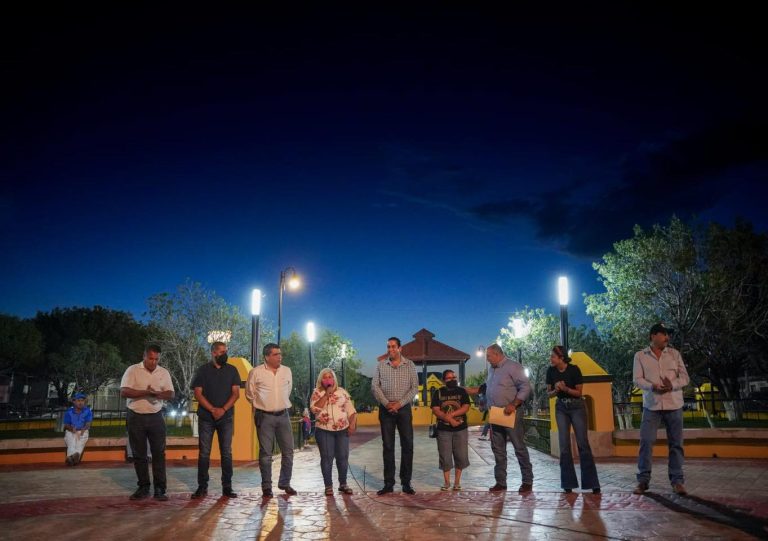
(217, 388)
(450, 405)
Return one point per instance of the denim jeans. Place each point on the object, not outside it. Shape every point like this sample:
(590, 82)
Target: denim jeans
(270, 428)
(333, 444)
(143, 427)
(499, 436)
(573, 413)
(224, 428)
(402, 421)
(673, 421)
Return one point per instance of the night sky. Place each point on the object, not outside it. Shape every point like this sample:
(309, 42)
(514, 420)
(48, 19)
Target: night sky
(436, 168)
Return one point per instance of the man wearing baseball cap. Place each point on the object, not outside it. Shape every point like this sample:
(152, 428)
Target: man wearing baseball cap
(661, 374)
(77, 422)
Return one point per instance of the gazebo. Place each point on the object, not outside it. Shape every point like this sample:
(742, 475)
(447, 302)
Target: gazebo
(424, 350)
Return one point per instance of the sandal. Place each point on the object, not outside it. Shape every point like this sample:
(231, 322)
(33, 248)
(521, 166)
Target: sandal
(329, 491)
(344, 489)
(456, 488)
(446, 486)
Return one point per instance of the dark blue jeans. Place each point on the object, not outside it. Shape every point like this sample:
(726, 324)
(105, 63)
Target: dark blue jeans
(143, 427)
(333, 444)
(402, 421)
(225, 428)
(573, 413)
(673, 421)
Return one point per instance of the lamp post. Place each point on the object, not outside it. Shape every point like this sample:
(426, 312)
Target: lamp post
(311, 339)
(562, 293)
(519, 330)
(288, 277)
(343, 367)
(255, 313)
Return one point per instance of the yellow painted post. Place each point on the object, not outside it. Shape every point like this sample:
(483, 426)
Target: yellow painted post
(244, 443)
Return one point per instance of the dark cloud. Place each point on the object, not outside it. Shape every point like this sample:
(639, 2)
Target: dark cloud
(684, 176)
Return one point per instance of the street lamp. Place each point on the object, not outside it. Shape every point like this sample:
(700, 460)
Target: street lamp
(255, 313)
(311, 339)
(289, 278)
(480, 351)
(562, 293)
(343, 368)
(519, 331)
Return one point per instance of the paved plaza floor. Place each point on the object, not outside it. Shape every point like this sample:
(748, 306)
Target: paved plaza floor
(728, 499)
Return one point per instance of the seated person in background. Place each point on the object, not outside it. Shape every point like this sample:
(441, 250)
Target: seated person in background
(77, 422)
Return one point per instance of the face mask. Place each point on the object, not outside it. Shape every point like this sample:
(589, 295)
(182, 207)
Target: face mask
(451, 384)
(221, 360)
(327, 382)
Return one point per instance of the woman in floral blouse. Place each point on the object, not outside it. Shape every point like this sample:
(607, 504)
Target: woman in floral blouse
(335, 420)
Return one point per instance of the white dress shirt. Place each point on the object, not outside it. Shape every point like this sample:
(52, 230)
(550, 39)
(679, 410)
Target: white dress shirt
(268, 390)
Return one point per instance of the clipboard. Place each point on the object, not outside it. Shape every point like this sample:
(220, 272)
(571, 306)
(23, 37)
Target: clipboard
(496, 417)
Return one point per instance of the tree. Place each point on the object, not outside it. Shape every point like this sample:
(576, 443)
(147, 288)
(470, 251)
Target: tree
(534, 348)
(612, 355)
(710, 285)
(181, 322)
(21, 344)
(92, 365)
(62, 330)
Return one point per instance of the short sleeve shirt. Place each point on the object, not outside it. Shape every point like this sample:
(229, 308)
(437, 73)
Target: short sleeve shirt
(138, 377)
(449, 400)
(217, 386)
(78, 420)
(571, 376)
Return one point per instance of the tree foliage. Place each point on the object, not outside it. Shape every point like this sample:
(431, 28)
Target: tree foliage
(21, 344)
(180, 322)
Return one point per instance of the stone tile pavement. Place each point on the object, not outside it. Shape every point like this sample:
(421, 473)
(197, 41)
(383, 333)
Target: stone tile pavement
(728, 499)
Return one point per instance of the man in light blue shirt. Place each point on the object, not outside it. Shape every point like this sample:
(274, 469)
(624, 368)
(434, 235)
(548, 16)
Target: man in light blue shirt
(507, 387)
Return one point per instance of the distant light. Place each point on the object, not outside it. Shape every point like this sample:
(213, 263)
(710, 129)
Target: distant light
(519, 328)
(294, 282)
(219, 336)
(570, 352)
(343, 350)
(256, 302)
(562, 290)
(173, 413)
(480, 351)
(527, 373)
(311, 332)
(183, 413)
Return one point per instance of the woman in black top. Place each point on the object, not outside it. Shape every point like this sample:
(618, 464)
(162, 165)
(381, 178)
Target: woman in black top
(564, 380)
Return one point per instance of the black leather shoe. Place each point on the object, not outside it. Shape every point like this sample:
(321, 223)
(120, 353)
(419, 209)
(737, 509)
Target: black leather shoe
(387, 489)
(524, 488)
(140, 494)
(201, 492)
(408, 489)
(266, 493)
(288, 489)
(160, 495)
(229, 493)
(497, 488)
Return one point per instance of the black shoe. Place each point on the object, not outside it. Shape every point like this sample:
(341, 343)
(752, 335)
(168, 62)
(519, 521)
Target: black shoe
(408, 489)
(525, 487)
(266, 493)
(641, 487)
(160, 495)
(387, 489)
(497, 488)
(596, 490)
(201, 492)
(229, 493)
(288, 489)
(140, 494)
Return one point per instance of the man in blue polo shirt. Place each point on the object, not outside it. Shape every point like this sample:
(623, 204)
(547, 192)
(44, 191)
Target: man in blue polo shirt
(77, 422)
(217, 388)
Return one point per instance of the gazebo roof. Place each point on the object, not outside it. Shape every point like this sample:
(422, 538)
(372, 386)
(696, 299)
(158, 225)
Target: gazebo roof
(425, 349)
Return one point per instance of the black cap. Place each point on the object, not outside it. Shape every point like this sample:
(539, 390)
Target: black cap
(659, 327)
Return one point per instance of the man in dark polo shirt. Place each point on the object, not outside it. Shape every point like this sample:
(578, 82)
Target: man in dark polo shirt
(217, 388)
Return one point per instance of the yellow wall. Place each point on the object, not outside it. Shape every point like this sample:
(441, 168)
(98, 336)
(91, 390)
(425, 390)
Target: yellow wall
(245, 445)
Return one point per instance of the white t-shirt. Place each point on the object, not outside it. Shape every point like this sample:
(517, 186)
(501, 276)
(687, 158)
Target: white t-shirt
(138, 377)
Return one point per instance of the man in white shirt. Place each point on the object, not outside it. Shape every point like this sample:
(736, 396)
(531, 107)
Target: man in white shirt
(146, 385)
(269, 390)
(660, 372)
